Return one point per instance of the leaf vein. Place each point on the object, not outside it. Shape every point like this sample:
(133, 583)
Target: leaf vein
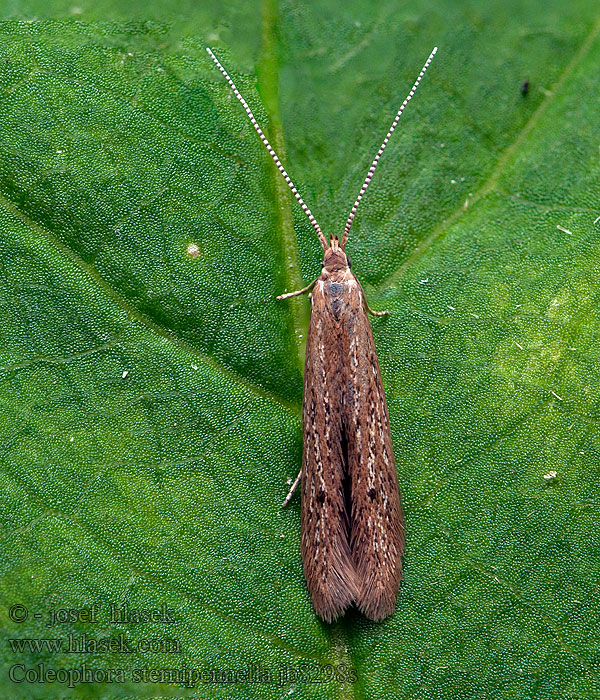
(492, 180)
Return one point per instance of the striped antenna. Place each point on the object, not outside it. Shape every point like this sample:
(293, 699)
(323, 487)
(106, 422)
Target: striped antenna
(363, 189)
(264, 139)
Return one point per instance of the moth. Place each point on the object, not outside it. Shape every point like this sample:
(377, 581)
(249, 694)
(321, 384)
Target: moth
(352, 524)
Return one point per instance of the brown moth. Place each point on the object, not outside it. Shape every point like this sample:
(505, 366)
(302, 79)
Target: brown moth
(352, 527)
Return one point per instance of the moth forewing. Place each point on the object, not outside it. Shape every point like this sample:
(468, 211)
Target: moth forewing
(352, 534)
(352, 529)
(329, 567)
(377, 532)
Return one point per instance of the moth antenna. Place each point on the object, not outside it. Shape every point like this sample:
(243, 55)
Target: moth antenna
(272, 153)
(363, 189)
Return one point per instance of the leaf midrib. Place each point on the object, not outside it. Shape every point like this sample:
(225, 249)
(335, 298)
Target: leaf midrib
(340, 652)
(269, 67)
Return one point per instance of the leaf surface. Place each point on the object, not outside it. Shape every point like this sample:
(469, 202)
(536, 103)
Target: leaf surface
(151, 399)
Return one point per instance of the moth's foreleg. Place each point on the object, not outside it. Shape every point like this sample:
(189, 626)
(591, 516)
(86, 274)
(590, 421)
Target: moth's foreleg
(300, 291)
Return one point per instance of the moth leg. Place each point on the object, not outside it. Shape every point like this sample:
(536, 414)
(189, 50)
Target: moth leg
(291, 493)
(300, 291)
(375, 313)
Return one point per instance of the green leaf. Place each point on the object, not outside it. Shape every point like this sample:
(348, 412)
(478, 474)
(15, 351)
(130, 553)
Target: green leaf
(151, 399)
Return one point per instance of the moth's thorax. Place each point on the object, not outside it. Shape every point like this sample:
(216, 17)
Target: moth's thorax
(342, 275)
(337, 292)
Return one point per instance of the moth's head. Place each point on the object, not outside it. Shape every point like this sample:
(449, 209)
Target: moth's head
(334, 257)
